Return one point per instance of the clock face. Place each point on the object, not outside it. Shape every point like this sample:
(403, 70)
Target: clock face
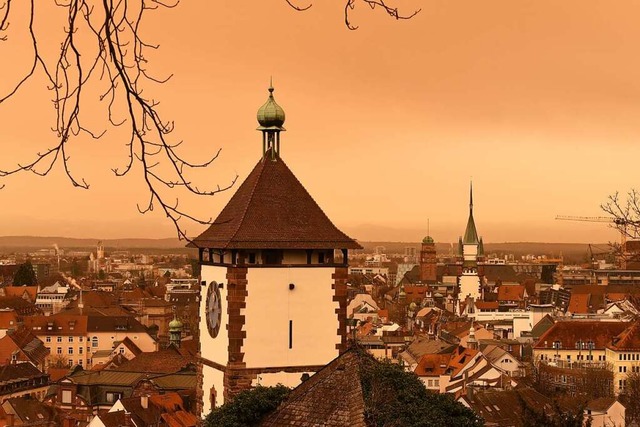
(214, 309)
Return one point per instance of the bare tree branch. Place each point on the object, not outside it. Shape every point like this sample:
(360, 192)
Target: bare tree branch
(102, 47)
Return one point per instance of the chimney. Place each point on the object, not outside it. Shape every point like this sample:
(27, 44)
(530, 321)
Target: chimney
(144, 402)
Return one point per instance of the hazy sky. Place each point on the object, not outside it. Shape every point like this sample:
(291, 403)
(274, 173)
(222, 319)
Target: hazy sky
(538, 101)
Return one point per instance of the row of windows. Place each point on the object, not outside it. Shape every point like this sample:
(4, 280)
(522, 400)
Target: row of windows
(59, 339)
(629, 356)
(433, 383)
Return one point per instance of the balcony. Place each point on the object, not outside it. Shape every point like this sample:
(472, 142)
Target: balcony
(575, 364)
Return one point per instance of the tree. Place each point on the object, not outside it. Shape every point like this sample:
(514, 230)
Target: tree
(394, 397)
(630, 398)
(102, 51)
(25, 275)
(625, 213)
(248, 407)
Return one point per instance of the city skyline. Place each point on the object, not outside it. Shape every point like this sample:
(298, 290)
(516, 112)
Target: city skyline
(536, 103)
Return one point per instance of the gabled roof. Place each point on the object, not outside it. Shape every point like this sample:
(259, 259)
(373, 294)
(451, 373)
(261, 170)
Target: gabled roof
(24, 340)
(511, 293)
(332, 397)
(113, 419)
(272, 210)
(57, 324)
(133, 348)
(99, 323)
(580, 303)
(19, 291)
(31, 411)
(11, 372)
(165, 361)
(602, 404)
(629, 339)
(432, 365)
(568, 333)
(542, 326)
(505, 408)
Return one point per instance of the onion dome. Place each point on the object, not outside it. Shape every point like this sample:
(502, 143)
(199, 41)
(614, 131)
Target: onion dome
(428, 239)
(175, 324)
(271, 115)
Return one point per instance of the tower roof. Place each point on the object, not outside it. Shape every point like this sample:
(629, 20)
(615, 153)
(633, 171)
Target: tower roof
(272, 210)
(470, 234)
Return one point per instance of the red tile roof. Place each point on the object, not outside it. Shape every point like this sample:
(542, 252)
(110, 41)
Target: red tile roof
(487, 305)
(8, 319)
(579, 303)
(511, 293)
(570, 332)
(165, 361)
(57, 324)
(627, 340)
(432, 365)
(272, 210)
(19, 291)
(30, 348)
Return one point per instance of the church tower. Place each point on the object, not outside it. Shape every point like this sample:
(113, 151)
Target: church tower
(273, 296)
(470, 247)
(428, 261)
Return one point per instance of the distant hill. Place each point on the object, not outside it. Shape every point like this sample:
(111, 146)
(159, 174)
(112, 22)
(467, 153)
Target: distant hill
(572, 252)
(68, 242)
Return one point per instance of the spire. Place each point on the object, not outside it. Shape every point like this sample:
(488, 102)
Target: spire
(271, 118)
(80, 303)
(471, 234)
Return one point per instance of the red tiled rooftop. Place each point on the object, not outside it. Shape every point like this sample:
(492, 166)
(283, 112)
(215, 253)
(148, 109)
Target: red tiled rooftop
(431, 365)
(579, 303)
(272, 210)
(629, 339)
(568, 333)
(511, 293)
(487, 305)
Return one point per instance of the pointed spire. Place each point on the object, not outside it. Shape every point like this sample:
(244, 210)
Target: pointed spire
(80, 303)
(471, 234)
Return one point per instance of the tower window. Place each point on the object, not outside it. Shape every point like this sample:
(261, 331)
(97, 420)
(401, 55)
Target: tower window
(321, 257)
(290, 334)
(252, 258)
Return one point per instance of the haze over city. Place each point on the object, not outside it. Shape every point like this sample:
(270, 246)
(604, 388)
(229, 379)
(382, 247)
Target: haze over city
(386, 126)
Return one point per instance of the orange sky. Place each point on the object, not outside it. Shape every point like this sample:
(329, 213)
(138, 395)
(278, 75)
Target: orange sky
(536, 100)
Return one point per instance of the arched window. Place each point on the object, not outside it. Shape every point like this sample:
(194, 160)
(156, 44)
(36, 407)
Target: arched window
(94, 342)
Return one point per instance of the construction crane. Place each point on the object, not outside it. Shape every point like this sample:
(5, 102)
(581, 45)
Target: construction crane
(620, 223)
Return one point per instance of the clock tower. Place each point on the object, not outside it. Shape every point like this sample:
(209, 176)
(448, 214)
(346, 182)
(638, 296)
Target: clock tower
(273, 280)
